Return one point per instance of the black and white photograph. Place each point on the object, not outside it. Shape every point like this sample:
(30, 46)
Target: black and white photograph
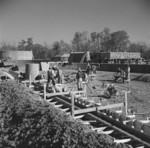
(74, 73)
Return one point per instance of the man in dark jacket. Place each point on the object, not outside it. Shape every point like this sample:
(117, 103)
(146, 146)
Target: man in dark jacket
(79, 76)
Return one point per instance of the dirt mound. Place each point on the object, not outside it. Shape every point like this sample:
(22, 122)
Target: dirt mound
(28, 121)
(144, 78)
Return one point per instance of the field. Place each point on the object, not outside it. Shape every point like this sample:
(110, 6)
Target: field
(138, 98)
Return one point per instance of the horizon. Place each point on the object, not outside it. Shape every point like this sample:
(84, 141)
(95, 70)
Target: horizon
(48, 21)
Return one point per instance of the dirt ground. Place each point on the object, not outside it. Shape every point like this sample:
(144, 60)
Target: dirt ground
(138, 98)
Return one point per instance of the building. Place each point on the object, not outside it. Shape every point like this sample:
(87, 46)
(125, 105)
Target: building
(105, 57)
(119, 57)
(76, 57)
(61, 57)
(14, 55)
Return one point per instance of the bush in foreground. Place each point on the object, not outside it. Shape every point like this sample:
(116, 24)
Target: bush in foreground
(27, 121)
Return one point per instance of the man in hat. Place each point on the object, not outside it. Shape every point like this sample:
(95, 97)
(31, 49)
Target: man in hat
(50, 79)
(128, 73)
(79, 76)
(88, 68)
(58, 75)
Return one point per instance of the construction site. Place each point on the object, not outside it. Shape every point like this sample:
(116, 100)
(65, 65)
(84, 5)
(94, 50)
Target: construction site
(96, 112)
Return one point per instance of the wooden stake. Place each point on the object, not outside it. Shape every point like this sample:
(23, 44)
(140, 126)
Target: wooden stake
(44, 91)
(72, 104)
(126, 102)
(84, 88)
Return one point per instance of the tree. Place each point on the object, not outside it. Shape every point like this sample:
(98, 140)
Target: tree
(26, 45)
(65, 48)
(41, 52)
(7, 46)
(98, 41)
(105, 38)
(21, 45)
(77, 41)
(81, 41)
(29, 45)
(56, 48)
(140, 47)
(93, 38)
(119, 41)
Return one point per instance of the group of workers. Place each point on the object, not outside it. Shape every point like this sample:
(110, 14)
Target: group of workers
(109, 90)
(54, 76)
(15, 68)
(123, 75)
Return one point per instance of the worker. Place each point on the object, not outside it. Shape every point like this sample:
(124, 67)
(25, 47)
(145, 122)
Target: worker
(94, 69)
(128, 73)
(85, 83)
(79, 78)
(118, 74)
(88, 68)
(58, 75)
(1, 63)
(123, 76)
(50, 80)
(15, 68)
(110, 91)
(84, 77)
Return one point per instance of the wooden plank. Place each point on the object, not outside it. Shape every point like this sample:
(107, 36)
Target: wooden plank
(126, 102)
(35, 81)
(63, 93)
(92, 109)
(72, 104)
(44, 91)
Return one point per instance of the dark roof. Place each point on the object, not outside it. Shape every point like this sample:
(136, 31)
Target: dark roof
(63, 55)
(76, 57)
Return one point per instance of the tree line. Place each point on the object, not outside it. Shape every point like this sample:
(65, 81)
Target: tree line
(104, 41)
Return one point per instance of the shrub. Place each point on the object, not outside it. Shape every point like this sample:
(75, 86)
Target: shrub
(27, 121)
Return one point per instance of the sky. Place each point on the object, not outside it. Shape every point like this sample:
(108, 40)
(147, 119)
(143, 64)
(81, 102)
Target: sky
(54, 20)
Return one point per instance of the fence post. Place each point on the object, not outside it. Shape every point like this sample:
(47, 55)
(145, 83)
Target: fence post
(126, 102)
(72, 104)
(44, 91)
(85, 88)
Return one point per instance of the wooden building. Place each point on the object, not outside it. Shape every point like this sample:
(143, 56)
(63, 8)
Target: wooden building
(14, 55)
(105, 57)
(119, 57)
(61, 57)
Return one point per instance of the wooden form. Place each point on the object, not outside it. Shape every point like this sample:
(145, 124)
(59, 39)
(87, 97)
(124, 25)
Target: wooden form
(126, 101)
(61, 93)
(34, 81)
(64, 93)
(72, 104)
(92, 109)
